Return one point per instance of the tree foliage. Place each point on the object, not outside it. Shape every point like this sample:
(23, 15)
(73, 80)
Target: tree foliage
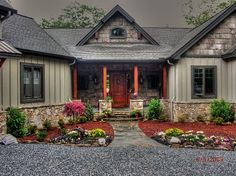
(196, 13)
(74, 16)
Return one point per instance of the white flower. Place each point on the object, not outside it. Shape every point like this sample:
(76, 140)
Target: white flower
(190, 131)
(161, 133)
(200, 132)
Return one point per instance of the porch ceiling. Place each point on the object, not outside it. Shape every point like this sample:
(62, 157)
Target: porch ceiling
(120, 52)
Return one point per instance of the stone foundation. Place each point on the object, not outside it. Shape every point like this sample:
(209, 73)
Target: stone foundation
(136, 105)
(3, 118)
(105, 105)
(37, 116)
(191, 110)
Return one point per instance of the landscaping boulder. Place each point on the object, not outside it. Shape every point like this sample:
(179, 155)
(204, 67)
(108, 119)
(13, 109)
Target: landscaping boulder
(175, 140)
(8, 139)
(102, 141)
(81, 132)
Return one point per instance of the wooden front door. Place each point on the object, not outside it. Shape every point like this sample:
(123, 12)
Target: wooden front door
(118, 89)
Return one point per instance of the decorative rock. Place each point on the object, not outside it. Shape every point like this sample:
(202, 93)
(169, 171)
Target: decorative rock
(161, 133)
(175, 140)
(102, 141)
(8, 139)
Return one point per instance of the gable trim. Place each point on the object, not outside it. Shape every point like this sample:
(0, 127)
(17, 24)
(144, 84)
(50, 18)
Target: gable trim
(117, 9)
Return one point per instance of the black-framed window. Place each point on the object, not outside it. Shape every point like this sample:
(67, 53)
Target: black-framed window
(204, 82)
(118, 32)
(153, 81)
(32, 83)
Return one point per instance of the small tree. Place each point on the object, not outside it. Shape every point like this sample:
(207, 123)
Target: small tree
(89, 114)
(16, 122)
(74, 16)
(74, 109)
(155, 109)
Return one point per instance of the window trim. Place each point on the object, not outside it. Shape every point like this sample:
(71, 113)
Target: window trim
(24, 100)
(204, 96)
(118, 37)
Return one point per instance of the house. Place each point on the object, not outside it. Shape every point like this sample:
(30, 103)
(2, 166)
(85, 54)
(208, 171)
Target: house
(186, 68)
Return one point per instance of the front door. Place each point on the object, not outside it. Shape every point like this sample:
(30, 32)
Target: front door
(118, 89)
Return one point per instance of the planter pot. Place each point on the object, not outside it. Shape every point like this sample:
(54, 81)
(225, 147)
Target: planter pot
(105, 105)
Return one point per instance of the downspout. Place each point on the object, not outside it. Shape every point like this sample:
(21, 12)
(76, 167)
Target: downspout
(173, 98)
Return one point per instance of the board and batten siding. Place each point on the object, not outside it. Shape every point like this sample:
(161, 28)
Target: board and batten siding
(181, 87)
(57, 81)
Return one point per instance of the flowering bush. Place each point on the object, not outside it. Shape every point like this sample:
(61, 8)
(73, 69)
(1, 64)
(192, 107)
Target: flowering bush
(174, 132)
(74, 109)
(195, 140)
(97, 133)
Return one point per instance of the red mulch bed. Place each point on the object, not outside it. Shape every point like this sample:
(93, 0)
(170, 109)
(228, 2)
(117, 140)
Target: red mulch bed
(152, 127)
(55, 132)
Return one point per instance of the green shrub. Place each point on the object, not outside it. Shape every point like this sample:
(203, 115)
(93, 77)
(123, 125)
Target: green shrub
(97, 133)
(41, 135)
(174, 132)
(155, 109)
(47, 125)
(16, 122)
(136, 113)
(163, 118)
(61, 123)
(32, 129)
(106, 113)
(220, 108)
(83, 119)
(182, 117)
(219, 121)
(89, 114)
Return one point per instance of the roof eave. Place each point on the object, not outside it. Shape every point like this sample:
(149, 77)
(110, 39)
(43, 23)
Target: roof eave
(71, 58)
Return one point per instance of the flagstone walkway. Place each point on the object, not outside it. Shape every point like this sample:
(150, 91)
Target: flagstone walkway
(129, 134)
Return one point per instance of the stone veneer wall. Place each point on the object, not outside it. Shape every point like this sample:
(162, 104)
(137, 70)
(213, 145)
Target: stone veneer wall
(193, 110)
(37, 115)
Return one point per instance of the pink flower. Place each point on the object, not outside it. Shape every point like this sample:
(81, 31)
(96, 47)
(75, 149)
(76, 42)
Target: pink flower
(74, 108)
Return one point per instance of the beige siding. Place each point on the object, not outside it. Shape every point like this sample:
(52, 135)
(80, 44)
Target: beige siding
(183, 78)
(232, 81)
(57, 81)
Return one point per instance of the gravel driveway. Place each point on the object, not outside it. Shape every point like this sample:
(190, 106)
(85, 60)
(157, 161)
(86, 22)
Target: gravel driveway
(29, 159)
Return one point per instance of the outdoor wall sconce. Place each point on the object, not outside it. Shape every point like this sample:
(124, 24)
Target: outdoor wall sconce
(141, 80)
(95, 80)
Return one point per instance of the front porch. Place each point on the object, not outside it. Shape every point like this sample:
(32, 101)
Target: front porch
(120, 81)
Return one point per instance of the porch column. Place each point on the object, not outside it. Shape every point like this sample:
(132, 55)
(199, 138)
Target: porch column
(164, 82)
(75, 82)
(1, 62)
(136, 79)
(104, 81)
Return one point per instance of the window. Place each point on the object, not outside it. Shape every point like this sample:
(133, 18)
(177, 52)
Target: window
(153, 82)
(32, 81)
(204, 82)
(118, 33)
(83, 82)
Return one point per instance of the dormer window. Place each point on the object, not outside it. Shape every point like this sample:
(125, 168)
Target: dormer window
(118, 33)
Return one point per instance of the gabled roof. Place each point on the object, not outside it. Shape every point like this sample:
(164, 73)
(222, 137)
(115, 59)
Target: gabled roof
(199, 32)
(115, 10)
(6, 6)
(167, 38)
(26, 35)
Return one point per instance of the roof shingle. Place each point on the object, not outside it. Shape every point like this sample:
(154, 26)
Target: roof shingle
(25, 34)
